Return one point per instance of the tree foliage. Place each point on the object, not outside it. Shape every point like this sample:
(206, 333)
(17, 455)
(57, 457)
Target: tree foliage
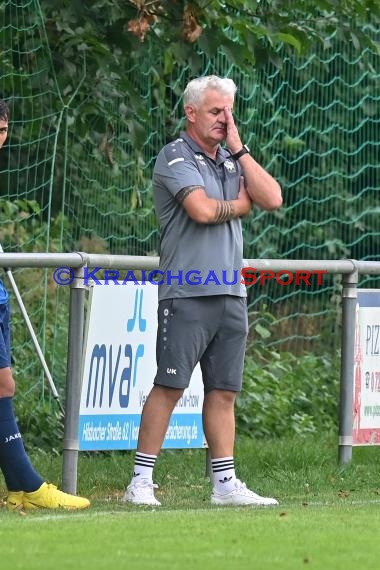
(93, 58)
(109, 35)
(103, 40)
(247, 28)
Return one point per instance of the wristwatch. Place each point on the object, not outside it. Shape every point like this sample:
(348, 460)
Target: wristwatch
(241, 152)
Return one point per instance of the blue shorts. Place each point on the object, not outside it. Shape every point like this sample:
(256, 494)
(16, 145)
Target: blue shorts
(5, 339)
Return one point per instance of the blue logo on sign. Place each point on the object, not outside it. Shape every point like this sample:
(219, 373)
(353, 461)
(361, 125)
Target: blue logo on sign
(105, 363)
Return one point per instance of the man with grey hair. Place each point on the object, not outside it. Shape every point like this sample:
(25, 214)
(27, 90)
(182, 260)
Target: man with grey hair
(201, 191)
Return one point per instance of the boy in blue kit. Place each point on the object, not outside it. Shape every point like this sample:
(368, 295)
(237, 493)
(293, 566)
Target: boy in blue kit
(26, 488)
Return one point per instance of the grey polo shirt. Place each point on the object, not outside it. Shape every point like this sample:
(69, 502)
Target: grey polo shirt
(196, 259)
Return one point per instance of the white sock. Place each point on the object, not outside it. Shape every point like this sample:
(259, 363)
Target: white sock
(143, 467)
(223, 474)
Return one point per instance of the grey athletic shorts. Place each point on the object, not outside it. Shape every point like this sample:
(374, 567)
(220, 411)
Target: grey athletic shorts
(210, 330)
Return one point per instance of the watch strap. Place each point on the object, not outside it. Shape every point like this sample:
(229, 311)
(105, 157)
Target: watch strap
(244, 150)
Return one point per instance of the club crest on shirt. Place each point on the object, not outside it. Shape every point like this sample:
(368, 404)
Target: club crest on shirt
(200, 158)
(229, 165)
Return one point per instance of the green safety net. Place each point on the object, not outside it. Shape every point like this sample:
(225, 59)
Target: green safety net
(27, 177)
(313, 123)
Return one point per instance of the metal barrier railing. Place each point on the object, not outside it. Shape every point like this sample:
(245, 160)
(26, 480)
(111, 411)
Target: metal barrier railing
(350, 270)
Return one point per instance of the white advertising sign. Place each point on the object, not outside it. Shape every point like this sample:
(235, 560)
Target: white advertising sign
(366, 413)
(119, 369)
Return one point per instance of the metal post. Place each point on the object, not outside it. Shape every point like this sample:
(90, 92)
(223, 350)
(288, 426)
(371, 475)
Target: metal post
(349, 299)
(73, 382)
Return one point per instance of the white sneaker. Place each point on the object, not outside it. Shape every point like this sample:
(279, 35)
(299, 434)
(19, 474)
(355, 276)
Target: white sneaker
(241, 496)
(140, 492)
